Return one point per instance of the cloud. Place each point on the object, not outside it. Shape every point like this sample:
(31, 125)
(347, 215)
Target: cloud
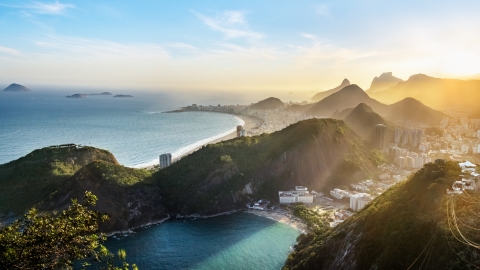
(309, 36)
(9, 51)
(230, 23)
(80, 48)
(47, 8)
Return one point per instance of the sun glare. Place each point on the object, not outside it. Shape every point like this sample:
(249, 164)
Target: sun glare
(461, 63)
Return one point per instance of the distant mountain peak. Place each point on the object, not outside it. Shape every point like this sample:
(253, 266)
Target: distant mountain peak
(384, 81)
(16, 88)
(324, 94)
(268, 104)
(419, 76)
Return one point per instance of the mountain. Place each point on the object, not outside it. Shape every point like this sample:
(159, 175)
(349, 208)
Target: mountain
(324, 94)
(413, 225)
(348, 97)
(433, 92)
(27, 181)
(237, 172)
(362, 119)
(16, 88)
(410, 110)
(267, 104)
(383, 82)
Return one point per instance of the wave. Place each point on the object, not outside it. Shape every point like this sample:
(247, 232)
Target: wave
(184, 150)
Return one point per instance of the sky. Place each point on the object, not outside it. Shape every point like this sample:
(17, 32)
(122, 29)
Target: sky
(296, 46)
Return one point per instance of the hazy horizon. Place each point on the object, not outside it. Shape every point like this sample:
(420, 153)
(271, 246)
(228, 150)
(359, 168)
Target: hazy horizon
(270, 46)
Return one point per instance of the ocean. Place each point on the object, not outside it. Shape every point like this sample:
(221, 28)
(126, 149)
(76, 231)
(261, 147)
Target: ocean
(136, 131)
(236, 241)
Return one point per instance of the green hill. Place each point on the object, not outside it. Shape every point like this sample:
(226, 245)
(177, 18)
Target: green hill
(28, 180)
(127, 195)
(318, 153)
(407, 227)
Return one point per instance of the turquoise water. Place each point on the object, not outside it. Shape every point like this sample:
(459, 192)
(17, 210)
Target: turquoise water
(134, 129)
(236, 241)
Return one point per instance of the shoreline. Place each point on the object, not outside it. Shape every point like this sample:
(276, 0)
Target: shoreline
(249, 123)
(278, 216)
(275, 215)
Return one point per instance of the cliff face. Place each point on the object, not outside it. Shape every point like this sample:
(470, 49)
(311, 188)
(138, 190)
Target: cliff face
(125, 194)
(392, 231)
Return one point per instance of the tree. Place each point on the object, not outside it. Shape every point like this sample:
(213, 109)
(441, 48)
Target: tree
(56, 240)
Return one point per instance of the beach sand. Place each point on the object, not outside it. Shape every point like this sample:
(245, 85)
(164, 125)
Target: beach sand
(250, 123)
(282, 216)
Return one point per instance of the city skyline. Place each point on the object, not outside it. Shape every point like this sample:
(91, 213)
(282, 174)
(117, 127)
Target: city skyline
(306, 47)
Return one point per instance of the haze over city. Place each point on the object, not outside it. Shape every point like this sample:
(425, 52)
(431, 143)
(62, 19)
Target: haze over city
(250, 45)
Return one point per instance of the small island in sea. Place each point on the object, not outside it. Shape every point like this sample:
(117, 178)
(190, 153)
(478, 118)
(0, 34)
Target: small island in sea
(123, 96)
(102, 94)
(16, 88)
(77, 96)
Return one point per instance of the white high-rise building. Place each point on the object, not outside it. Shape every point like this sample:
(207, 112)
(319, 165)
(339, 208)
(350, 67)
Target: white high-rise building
(358, 201)
(165, 160)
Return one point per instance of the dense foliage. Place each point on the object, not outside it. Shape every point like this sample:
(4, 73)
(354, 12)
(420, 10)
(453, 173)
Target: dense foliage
(56, 241)
(314, 220)
(28, 180)
(392, 231)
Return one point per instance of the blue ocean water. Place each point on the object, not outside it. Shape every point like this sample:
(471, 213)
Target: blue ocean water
(236, 241)
(134, 129)
(136, 132)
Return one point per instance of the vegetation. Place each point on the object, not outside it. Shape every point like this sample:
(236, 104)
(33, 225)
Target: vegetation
(200, 185)
(56, 241)
(392, 231)
(27, 181)
(315, 221)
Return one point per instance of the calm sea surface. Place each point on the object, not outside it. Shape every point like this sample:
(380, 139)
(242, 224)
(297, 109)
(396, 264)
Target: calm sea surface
(136, 132)
(133, 129)
(236, 241)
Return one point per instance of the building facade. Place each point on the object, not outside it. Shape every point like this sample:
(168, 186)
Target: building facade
(165, 160)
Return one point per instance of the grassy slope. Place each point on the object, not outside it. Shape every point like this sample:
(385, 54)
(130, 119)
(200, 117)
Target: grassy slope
(393, 230)
(28, 180)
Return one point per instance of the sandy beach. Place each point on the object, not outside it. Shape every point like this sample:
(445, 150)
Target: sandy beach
(282, 216)
(250, 123)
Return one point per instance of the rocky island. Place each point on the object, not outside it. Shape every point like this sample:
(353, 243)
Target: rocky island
(123, 96)
(77, 96)
(16, 88)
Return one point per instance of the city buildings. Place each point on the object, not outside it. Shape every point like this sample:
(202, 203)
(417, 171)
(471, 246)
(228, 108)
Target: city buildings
(165, 160)
(300, 194)
(379, 142)
(359, 200)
